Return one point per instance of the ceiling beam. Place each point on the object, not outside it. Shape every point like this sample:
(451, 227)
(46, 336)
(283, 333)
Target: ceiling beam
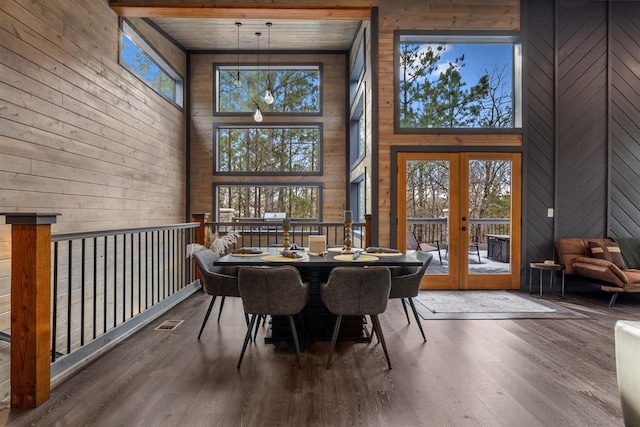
(145, 10)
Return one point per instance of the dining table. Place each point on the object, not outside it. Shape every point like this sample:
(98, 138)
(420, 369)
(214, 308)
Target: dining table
(316, 321)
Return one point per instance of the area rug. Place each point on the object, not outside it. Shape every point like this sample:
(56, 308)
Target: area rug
(487, 305)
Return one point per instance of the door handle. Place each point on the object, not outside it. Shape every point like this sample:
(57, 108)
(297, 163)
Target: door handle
(464, 228)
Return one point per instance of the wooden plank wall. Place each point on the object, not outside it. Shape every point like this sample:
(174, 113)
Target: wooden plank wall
(333, 121)
(429, 15)
(597, 94)
(582, 118)
(80, 135)
(540, 119)
(624, 219)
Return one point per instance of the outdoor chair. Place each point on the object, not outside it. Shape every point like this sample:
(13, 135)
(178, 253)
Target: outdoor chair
(414, 244)
(274, 291)
(357, 291)
(407, 285)
(474, 246)
(214, 283)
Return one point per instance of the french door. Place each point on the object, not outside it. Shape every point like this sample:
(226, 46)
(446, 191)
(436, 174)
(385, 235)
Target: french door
(465, 209)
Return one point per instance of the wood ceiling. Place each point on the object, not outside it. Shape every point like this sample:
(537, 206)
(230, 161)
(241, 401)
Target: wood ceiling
(210, 27)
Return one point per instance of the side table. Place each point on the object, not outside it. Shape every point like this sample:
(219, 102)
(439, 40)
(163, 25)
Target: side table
(541, 267)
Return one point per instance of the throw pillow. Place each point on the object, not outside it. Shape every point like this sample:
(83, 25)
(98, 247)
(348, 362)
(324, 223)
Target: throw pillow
(609, 251)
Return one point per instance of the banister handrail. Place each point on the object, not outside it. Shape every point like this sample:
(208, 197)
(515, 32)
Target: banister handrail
(57, 237)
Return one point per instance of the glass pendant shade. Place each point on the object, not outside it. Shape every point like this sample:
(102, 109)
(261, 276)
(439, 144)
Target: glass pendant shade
(257, 115)
(268, 97)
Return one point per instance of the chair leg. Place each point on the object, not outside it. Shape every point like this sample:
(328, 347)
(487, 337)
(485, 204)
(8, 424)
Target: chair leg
(478, 250)
(406, 313)
(415, 313)
(295, 339)
(220, 311)
(206, 317)
(439, 254)
(336, 328)
(247, 337)
(376, 324)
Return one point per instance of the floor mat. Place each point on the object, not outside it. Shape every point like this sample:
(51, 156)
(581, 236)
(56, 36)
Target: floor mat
(488, 305)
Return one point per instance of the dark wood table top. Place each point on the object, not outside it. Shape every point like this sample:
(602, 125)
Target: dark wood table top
(328, 260)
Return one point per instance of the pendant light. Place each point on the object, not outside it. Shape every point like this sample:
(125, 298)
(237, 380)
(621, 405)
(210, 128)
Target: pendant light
(238, 82)
(268, 96)
(258, 114)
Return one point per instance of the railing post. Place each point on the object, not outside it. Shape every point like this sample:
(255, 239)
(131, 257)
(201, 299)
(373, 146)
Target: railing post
(30, 308)
(200, 218)
(367, 230)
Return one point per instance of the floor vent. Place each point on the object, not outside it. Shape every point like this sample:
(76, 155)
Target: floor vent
(169, 325)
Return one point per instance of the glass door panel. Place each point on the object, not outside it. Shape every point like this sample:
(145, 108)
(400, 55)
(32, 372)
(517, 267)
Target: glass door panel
(464, 208)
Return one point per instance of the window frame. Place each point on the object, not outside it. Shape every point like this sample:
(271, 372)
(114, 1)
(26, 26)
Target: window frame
(262, 68)
(127, 29)
(355, 185)
(358, 112)
(313, 184)
(310, 125)
(467, 37)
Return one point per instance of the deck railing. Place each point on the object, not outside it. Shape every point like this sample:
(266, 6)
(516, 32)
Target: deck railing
(259, 233)
(436, 229)
(102, 281)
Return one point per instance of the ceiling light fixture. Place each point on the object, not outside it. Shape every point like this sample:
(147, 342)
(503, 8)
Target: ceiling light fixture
(268, 96)
(238, 82)
(257, 116)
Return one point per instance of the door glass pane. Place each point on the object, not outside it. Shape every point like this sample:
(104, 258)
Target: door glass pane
(489, 216)
(428, 184)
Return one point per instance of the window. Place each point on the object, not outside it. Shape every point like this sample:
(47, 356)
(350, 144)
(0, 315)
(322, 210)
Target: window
(358, 198)
(458, 81)
(143, 61)
(282, 150)
(295, 88)
(250, 201)
(357, 132)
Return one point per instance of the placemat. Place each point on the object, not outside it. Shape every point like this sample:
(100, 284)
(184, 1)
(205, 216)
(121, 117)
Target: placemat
(361, 258)
(382, 253)
(260, 254)
(280, 258)
(339, 249)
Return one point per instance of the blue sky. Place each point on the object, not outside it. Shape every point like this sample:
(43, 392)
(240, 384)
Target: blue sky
(478, 57)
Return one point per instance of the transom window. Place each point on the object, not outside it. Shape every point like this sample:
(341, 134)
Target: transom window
(296, 88)
(278, 149)
(143, 61)
(458, 81)
(250, 201)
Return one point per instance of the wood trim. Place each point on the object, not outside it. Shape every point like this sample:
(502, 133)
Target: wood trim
(30, 315)
(141, 10)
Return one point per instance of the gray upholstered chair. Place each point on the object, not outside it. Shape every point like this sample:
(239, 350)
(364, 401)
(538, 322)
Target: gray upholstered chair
(275, 291)
(406, 285)
(357, 291)
(215, 283)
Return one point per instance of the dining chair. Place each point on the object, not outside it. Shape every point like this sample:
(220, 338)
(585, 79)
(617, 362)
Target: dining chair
(274, 291)
(357, 291)
(215, 283)
(406, 285)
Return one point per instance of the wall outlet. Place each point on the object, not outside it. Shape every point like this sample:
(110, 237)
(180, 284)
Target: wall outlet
(549, 212)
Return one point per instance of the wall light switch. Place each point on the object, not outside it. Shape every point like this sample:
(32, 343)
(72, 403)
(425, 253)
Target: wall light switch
(550, 212)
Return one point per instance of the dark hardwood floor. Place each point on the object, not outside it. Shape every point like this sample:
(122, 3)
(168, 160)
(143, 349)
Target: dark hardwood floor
(522, 372)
